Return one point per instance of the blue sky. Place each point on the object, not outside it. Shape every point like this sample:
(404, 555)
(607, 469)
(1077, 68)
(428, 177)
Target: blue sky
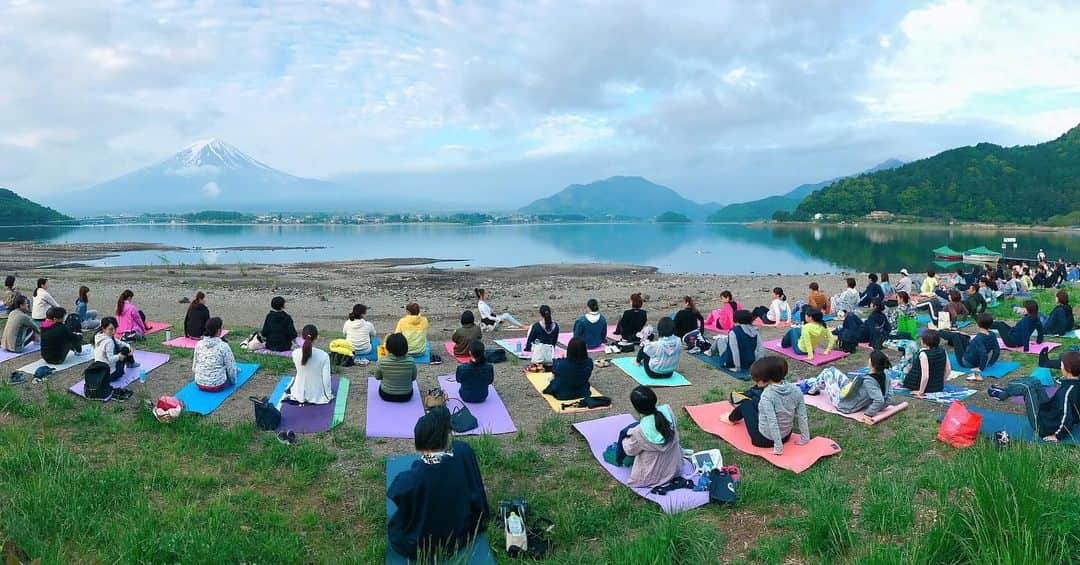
(498, 102)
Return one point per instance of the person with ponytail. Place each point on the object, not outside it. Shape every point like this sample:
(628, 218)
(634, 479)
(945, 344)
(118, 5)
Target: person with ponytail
(88, 319)
(777, 311)
(130, 321)
(653, 441)
(440, 499)
(632, 321)
(196, 317)
(358, 331)
(43, 301)
(488, 319)
(213, 362)
(723, 318)
(543, 335)
(312, 382)
(688, 319)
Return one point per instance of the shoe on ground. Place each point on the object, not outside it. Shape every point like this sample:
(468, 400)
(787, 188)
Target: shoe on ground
(291, 437)
(283, 437)
(122, 394)
(996, 392)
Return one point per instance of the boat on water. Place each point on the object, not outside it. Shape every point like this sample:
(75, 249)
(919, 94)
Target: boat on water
(981, 255)
(946, 253)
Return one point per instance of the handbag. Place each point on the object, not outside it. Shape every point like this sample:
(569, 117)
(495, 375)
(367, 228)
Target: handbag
(495, 356)
(267, 416)
(959, 427)
(433, 398)
(722, 487)
(462, 419)
(254, 342)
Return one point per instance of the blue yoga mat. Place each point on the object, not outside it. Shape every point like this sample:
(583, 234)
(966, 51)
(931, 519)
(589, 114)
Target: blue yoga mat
(202, 402)
(477, 553)
(373, 355)
(715, 363)
(425, 357)
(997, 370)
(279, 391)
(637, 372)
(1044, 376)
(924, 319)
(1017, 426)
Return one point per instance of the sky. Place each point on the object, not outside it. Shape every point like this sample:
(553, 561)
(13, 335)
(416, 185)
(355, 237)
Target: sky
(501, 102)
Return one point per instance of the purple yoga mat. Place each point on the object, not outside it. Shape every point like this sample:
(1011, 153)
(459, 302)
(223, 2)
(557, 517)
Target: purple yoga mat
(309, 418)
(1050, 390)
(391, 419)
(492, 414)
(298, 343)
(6, 355)
(605, 431)
(148, 361)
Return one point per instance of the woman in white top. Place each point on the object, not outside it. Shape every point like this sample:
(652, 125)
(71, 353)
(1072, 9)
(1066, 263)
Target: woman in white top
(488, 319)
(778, 310)
(110, 350)
(358, 331)
(42, 301)
(312, 382)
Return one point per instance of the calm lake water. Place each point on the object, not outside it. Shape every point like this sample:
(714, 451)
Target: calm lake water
(693, 248)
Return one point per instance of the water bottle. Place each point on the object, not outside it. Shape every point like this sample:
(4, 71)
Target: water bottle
(168, 335)
(515, 532)
(517, 347)
(142, 376)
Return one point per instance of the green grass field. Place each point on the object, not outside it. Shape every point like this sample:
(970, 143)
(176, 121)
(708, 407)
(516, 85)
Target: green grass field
(90, 483)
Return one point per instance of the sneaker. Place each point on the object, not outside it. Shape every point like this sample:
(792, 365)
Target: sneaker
(17, 378)
(291, 437)
(737, 397)
(435, 360)
(1001, 438)
(122, 394)
(996, 392)
(283, 437)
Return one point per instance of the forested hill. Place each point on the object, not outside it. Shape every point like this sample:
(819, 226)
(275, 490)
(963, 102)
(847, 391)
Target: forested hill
(985, 183)
(16, 210)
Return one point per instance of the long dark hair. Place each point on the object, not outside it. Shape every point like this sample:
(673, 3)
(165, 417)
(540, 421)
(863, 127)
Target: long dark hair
(310, 333)
(1032, 308)
(358, 312)
(545, 313)
(576, 350)
(126, 295)
(879, 362)
(40, 283)
(644, 400)
(479, 293)
(780, 292)
(84, 294)
(199, 297)
(731, 299)
(213, 327)
(689, 304)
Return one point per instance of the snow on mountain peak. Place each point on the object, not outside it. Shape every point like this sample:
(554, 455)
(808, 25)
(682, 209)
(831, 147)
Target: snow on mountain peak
(214, 152)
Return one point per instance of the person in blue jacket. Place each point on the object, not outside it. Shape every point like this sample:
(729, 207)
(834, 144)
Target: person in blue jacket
(1020, 334)
(873, 290)
(570, 376)
(1052, 419)
(978, 352)
(591, 327)
(1061, 320)
(475, 376)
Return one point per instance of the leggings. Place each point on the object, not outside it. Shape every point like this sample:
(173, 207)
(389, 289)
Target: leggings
(747, 410)
(959, 342)
(395, 397)
(1034, 396)
(791, 339)
(1003, 330)
(644, 360)
(762, 313)
(620, 453)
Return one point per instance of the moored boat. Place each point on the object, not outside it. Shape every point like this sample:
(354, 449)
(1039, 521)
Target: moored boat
(946, 253)
(981, 255)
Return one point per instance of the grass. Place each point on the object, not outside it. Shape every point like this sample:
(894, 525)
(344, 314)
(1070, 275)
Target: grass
(87, 482)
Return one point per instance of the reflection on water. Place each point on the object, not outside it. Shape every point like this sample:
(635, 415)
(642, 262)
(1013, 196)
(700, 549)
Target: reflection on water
(692, 248)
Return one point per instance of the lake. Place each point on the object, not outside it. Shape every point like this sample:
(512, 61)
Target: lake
(679, 248)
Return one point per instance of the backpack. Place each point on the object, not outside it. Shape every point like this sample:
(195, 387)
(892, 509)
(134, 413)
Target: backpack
(495, 355)
(267, 416)
(97, 376)
(73, 323)
(722, 487)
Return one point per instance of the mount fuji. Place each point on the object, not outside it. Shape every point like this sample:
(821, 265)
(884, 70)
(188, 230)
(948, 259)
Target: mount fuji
(206, 175)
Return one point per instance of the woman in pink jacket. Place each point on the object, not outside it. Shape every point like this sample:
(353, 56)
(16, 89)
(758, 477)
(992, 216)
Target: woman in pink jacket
(131, 322)
(723, 317)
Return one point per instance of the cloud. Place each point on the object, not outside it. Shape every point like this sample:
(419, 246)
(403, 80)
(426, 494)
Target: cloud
(211, 190)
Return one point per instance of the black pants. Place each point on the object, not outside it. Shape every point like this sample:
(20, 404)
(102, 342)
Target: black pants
(959, 342)
(620, 453)
(644, 360)
(762, 313)
(747, 410)
(1003, 330)
(1046, 361)
(395, 397)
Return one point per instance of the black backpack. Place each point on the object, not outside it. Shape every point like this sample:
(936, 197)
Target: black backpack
(497, 355)
(341, 360)
(97, 377)
(721, 487)
(267, 416)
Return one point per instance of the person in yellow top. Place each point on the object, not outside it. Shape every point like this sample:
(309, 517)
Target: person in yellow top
(810, 336)
(929, 284)
(414, 327)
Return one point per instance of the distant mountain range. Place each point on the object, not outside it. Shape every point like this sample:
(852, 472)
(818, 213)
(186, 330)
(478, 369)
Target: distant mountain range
(208, 174)
(619, 197)
(985, 183)
(16, 210)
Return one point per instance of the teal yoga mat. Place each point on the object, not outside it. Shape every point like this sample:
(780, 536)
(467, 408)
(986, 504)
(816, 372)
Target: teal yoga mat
(714, 362)
(997, 370)
(1018, 427)
(203, 402)
(638, 374)
(477, 553)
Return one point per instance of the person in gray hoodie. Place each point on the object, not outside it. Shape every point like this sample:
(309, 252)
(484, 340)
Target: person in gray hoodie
(742, 346)
(781, 403)
(857, 392)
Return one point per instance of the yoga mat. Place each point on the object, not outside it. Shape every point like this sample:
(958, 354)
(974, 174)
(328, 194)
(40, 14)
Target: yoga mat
(372, 355)
(297, 344)
(539, 381)
(203, 402)
(602, 432)
(155, 327)
(564, 340)
(715, 363)
(148, 361)
(821, 402)
(712, 418)
(1075, 334)
(947, 396)
(450, 351)
(511, 346)
(924, 319)
(84, 356)
(819, 357)
(391, 419)
(997, 370)
(187, 342)
(279, 391)
(1033, 348)
(1017, 426)
(1050, 390)
(425, 357)
(311, 418)
(1044, 376)
(476, 553)
(637, 372)
(759, 323)
(6, 355)
(491, 414)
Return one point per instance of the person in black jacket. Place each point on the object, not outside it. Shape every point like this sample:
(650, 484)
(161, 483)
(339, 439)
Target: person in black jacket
(441, 502)
(1060, 321)
(1054, 418)
(873, 290)
(475, 376)
(688, 319)
(570, 379)
(278, 329)
(57, 340)
(632, 320)
(876, 326)
(196, 317)
(1020, 334)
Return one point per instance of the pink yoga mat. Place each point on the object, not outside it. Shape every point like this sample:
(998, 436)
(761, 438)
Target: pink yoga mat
(187, 342)
(604, 431)
(148, 361)
(797, 458)
(391, 419)
(297, 344)
(821, 402)
(155, 327)
(1033, 348)
(491, 414)
(511, 346)
(6, 355)
(450, 349)
(819, 357)
(565, 337)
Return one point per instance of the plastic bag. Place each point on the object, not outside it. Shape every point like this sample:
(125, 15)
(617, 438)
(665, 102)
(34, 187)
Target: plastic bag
(959, 427)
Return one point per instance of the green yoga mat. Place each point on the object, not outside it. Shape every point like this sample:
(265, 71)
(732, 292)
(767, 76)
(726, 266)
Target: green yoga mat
(339, 402)
(637, 373)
